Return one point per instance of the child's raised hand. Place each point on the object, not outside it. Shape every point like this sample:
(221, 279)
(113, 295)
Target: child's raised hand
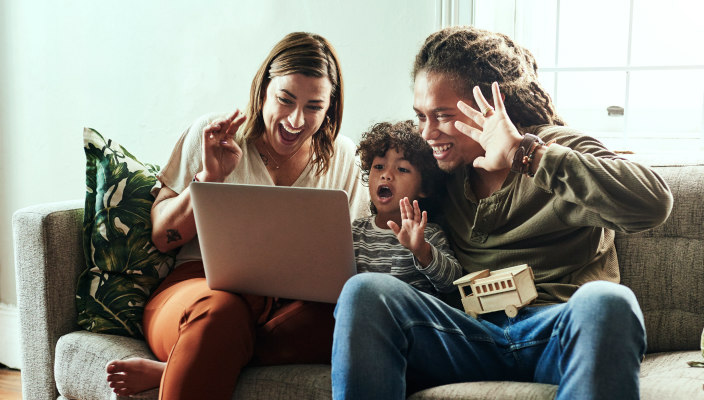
(411, 232)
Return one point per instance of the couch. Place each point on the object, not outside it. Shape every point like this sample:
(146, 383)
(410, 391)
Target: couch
(663, 266)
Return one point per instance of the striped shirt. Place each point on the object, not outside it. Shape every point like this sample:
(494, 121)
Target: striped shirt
(378, 250)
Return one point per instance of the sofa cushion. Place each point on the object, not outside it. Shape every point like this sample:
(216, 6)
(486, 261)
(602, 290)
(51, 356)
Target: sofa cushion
(122, 264)
(302, 381)
(663, 376)
(667, 376)
(488, 390)
(81, 357)
(663, 266)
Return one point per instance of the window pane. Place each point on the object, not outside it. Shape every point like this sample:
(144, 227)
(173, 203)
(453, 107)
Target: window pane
(464, 8)
(495, 15)
(536, 25)
(593, 33)
(583, 99)
(547, 81)
(666, 103)
(667, 33)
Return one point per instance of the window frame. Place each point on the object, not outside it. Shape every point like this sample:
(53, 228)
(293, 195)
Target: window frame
(461, 12)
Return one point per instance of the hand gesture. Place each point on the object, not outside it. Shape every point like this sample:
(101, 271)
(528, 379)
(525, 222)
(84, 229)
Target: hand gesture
(220, 152)
(411, 233)
(498, 136)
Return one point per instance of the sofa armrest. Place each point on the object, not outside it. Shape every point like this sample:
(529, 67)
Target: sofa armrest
(48, 259)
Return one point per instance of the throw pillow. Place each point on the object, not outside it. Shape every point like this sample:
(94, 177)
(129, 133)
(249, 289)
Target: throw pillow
(123, 266)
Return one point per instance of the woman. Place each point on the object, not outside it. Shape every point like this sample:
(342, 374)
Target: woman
(288, 137)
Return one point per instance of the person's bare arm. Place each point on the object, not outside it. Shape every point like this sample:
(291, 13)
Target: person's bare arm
(173, 224)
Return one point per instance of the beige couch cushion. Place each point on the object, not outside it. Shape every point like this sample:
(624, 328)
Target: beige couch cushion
(659, 266)
(81, 357)
(80, 354)
(667, 376)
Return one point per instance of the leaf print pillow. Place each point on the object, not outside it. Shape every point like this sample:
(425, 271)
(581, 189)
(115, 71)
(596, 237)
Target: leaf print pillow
(122, 265)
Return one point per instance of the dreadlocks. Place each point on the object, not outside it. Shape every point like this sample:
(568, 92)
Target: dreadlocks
(470, 57)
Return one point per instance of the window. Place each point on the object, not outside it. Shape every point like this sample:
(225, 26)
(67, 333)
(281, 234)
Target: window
(629, 72)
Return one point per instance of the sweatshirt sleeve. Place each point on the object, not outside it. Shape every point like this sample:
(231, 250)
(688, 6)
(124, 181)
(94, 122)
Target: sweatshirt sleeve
(598, 188)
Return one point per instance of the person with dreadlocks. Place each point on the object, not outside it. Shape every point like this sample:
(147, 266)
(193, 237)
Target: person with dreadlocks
(522, 188)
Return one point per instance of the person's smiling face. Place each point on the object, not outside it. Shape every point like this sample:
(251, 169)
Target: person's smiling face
(435, 105)
(294, 108)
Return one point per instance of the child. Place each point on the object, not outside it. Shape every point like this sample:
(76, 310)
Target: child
(401, 172)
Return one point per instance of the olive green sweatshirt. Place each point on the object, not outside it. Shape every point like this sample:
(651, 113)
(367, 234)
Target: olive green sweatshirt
(561, 222)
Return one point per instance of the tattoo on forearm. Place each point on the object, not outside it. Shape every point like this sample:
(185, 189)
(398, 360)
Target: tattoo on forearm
(172, 235)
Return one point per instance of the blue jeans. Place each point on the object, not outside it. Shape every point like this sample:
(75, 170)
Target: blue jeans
(388, 334)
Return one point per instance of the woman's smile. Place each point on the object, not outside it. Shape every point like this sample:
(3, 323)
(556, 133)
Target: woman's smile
(288, 135)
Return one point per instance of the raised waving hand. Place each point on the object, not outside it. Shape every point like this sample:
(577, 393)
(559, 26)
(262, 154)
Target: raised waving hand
(220, 152)
(497, 135)
(411, 233)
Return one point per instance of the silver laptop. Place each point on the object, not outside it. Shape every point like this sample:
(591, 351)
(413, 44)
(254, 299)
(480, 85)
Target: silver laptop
(274, 241)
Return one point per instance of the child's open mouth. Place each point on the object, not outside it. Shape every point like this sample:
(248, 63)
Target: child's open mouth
(384, 192)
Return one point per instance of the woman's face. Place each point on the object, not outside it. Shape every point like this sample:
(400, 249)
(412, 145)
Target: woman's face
(294, 108)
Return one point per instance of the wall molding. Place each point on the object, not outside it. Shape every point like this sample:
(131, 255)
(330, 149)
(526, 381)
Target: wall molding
(10, 336)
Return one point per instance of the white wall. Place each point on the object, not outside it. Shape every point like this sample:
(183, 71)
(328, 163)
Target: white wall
(140, 71)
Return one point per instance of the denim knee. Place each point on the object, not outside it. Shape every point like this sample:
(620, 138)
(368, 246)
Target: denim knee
(610, 299)
(367, 287)
(608, 308)
(375, 296)
(601, 340)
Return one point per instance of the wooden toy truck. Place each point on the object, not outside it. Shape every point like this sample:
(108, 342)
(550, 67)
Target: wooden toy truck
(507, 289)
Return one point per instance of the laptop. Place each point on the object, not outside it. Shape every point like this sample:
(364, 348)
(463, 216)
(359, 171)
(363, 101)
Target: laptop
(287, 242)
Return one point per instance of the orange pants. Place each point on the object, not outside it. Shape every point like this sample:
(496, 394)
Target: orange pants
(207, 336)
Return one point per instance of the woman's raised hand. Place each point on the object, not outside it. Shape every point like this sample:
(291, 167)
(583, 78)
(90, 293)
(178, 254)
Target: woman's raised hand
(220, 152)
(497, 135)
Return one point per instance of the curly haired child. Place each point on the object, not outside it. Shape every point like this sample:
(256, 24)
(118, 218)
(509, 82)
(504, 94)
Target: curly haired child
(397, 239)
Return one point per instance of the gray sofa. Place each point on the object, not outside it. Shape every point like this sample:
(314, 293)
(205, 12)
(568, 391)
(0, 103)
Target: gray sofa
(664, 267)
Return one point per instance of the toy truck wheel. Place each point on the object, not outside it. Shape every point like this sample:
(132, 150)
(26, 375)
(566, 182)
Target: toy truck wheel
(472, 314)
(511, 310)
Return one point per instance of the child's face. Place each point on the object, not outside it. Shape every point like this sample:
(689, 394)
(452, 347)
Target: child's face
(392, 178)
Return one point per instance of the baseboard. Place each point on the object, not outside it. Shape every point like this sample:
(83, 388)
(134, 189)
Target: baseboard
(10, 336)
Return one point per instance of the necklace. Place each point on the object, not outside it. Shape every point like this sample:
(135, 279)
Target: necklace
(278, 165)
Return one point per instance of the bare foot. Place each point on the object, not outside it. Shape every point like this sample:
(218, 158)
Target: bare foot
(134, 375)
